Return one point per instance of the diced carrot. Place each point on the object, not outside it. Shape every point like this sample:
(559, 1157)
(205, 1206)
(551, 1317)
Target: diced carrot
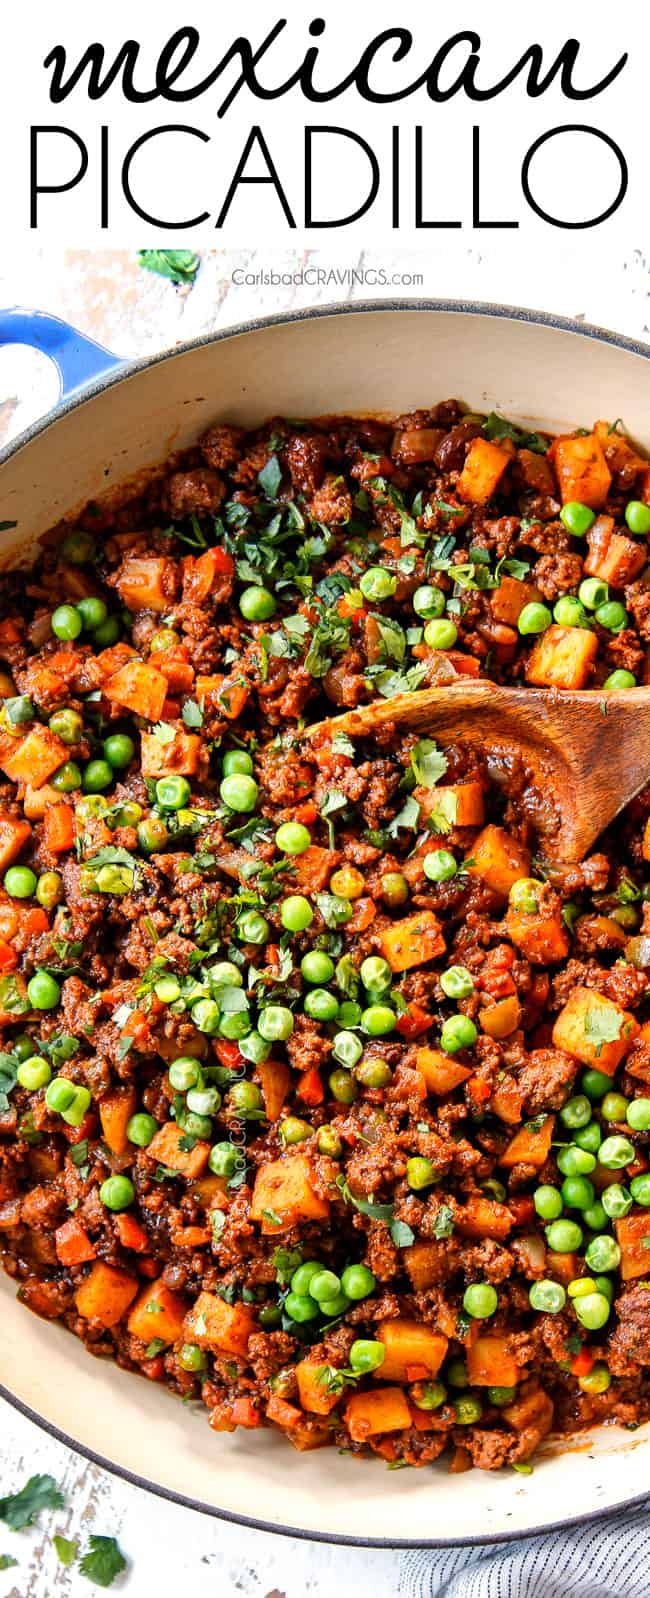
(112, 660)
(245, 1413)
(180, 755)
(594, 1030)
(562, 658)
(500, 1020)
(72, 1243)
(147, 583)
(310, 1087)
(131, 1234)
(530, 1146)
(165, 1147)
(139, 688)
(14, 833)
(482, 1217)
(633, 1236)
(312, 869)
(409, 1342)
(462, 803)
(414, 1020)
(440, 1073)
(115, 1111)
(157, 1313)
(484, 467)
(646, 840)
(283, 1414)
(363, 914)
(229, 693)
(8, 956)
(369, 1414)
(613, 557)
(105, 1294)
(58, 828)
(498, 859)
(582, 471)
(284, 1194)
(274, 1078)
(542, 938)
(508, 600)
(315, 1394)
(178, 671)
(490, 1362)
(212, 1323)
(413, 941)
(33, 758)
(200, 573)
(191, 1236)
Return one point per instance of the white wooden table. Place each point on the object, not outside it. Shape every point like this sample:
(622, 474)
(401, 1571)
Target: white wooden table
(106, 294)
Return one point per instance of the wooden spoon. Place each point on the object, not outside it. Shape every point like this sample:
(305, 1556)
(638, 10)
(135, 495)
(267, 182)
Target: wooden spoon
(587, 753)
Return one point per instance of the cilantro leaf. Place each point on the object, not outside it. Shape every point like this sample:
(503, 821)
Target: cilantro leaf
(102, 1561)
(192, 714)
(389, 683)
(334, 910)
(408, 816)
(428, 762)
(270, 477)
(7, 1560)
(392, 637)
(376, 1212)
(443, 818)
(8, 1067)
(603, 1026)
(342, 745)
(285, 1261)
(497, 427)
(443, 1225)
(66, 1551)
(401, 1234)
(21, 1509)
(181, 266)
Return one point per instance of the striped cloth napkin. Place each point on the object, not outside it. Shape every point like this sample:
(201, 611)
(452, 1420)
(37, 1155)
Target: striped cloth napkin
(609, 1559)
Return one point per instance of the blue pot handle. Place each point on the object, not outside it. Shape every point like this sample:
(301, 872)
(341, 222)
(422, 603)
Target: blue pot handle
(78, 359)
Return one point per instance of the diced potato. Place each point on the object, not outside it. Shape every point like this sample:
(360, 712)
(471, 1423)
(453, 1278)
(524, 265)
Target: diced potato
(311, 870)
(562, 1267)
(594, 1030)
(34, 758)
(633, 1236)
(501, 1019)
(413, 941)
(115, 1112)
(440, 1072)
(542, 938)
(139, 688)
(284, 1194)
(212, 1323)
(530, 1146)
(482, 1217)
(507, 1099)
(484, 467)
(462, 803)
(618, 451)
(490, 1363)
(230, 695)
(157, 1313)
(508, 600)
(370, 1414)
(582, 471)
(422, 1261)
(613, 557)
(498, 859)
(180, 755)
(147, 583)
(165, 1148)
(409, 1343)
(105, 1294)
(530, 1414)
(562, 658)
(312, 1386)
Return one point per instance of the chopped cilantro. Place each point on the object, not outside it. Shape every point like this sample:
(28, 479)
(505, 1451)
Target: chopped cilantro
(66, 1551)
(443, 1224)
(181, 266)
(102, 1561)
(428, 762)
(23, 1508)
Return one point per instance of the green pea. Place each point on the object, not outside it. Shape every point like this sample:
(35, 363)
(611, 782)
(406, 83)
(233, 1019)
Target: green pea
(78, 547)
(316, 966)
(377, 583)
(191, 1358)
(224, 973)
(595, 1084)
(574, 1161)
(245, 1097)
(206, 1016)
(237, 760)
(300, 1307)
(292, 1130)
(589, 1137)
(428, 602)
(616, 1152)
(378, 1019)
(324, 1285)
(523, 895)
(358, 1282)
(458, 1032)
(534, 618)
(376, 974)
(66, 622)
(428, 1395)
(203, 1101)
(253, 928)
(296, 913)
(457, 982)
(597, 1380)
(275, 1022)
(98, 776)
(578, 1192)
(568, 612)
(93, 611)
(140, 1129)
(546, 1296)
(620, 679)
(117, 1192)
(373, 1073)
(254, 1048)
(616, 1201)
(153, 834)
(343, 1086)
(577, 518)
(67, 778)
(548, 1202)
(43, 991)
(440, 634)
(329, 1142)
(593, 593)
(239, 792)
(20, 882)
(595, 1217)
(440, 865)
(592, 1311)
(637, 516)
(576, 1112)
(223, 1159)
(456, 1373)
(321, 1005)
(33, 1073)
(640, 1190)
(614, 1107)
(499, 1396)
(420, 1172)
(49, 889)
(60, 1095)
(66, 725)
(292, 838)
(257, 604)
(366, 1354)
(563, 1237)
(184, 1073)
(347, 1048)
(394, 889)
(612, 615)
(303, 1276)
(106, 635)
(23, 1047)
(480, 1300)
(467, 1410)
(603, 1254)
(638, 1115)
